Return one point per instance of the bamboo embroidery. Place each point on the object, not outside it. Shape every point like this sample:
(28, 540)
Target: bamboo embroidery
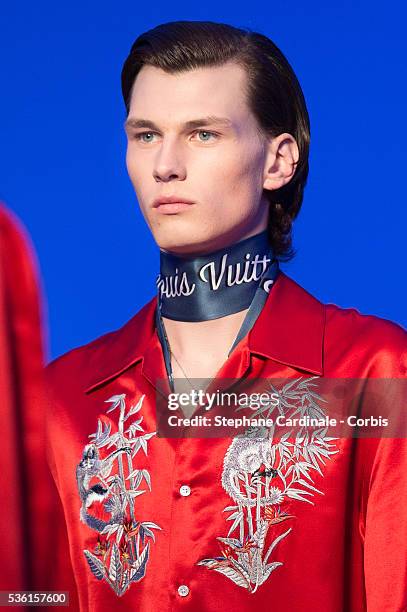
(121, 551)
(262, 474)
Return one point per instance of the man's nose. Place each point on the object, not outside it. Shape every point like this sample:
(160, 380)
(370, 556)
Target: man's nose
(169, 164)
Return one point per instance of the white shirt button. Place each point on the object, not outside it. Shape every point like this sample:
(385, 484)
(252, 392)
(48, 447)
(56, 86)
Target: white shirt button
(183, 590)
(185, 490)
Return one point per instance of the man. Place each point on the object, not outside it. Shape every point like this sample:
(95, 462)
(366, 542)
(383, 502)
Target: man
(160, 513)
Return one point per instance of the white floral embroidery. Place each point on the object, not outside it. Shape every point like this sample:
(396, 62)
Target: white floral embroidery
(121, 553)
(262, 474)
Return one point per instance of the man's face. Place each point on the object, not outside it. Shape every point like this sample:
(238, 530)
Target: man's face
(217, 162)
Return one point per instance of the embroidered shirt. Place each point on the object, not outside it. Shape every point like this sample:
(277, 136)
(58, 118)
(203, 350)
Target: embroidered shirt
(229, 523)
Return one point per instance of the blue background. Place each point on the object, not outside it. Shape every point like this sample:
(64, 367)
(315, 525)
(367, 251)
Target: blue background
(62, 156)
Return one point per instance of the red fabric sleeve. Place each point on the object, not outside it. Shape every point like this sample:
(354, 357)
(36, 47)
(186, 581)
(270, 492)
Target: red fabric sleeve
(32, 533)
(385, 545)
(385, 553)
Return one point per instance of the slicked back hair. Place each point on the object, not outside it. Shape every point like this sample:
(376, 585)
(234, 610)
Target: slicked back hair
(274, 96)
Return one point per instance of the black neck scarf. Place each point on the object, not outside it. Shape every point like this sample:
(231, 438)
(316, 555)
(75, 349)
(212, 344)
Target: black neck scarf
(215, 285)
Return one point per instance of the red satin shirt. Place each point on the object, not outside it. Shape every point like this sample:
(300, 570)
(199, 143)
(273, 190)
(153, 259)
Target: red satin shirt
(176, 535)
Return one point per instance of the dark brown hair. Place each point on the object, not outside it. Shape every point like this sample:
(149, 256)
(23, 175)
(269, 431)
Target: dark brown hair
(274, 95)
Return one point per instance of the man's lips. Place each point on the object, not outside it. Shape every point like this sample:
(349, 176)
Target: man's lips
(172, 204)
(170, 200)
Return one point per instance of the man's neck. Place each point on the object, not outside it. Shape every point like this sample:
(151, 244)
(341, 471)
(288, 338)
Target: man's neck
(210, 339)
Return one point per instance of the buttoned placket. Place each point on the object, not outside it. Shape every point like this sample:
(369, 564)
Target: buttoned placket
(185, 497)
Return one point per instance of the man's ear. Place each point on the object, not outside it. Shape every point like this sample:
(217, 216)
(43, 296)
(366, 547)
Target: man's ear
(282, 157)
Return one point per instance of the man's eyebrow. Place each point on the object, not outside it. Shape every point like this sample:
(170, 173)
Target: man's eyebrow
(134, 122)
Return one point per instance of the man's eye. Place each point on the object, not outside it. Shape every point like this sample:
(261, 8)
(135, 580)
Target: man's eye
(145, 137)
(206, 136)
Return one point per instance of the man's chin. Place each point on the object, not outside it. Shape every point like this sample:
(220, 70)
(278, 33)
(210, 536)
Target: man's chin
(182, 243)
(183, 238)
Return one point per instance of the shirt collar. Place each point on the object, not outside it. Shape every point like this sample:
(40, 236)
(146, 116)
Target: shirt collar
(289, 330)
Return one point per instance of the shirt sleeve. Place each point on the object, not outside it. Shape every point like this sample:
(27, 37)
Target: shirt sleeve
(385, 548)
(24, 476)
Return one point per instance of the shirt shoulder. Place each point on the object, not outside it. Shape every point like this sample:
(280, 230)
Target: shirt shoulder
(78, 358)
(378, 343)
(110, 351)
